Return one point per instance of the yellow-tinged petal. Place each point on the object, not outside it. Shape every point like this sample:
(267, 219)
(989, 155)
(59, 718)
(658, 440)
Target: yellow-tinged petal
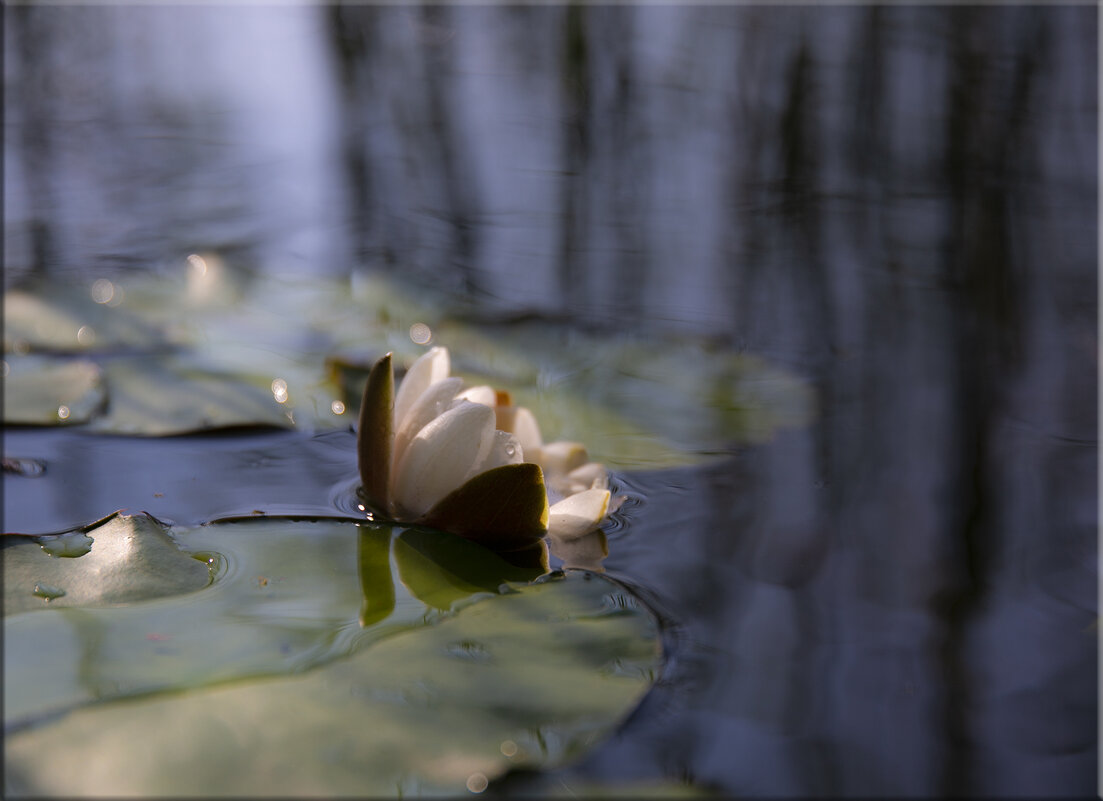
(432, 366)
(591, 475)
(579, 514)
(563, 457)
(504, 508)
(375, 435)
(442, 456)
(432, 403)
(481, 394)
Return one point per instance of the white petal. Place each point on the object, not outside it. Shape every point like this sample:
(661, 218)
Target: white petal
(591, 475)
(562, 457)
(442, 456)
(433, 402)
(579, 514)
(520, 421)
(482, 394)
(505, 450)
(431, 367)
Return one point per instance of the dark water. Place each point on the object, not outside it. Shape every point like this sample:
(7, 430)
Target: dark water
(898, 204)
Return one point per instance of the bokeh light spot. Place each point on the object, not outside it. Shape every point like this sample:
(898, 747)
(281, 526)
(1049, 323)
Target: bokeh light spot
(197, 264)
(421, 334)
(103, 290)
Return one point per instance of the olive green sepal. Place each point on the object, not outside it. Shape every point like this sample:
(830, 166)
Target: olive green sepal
(504, 508)
(375, 435)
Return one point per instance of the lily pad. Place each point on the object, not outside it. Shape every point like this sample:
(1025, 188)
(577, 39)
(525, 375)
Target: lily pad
(144, 396)
(45, 392)
(635, 403)
(158, 397)
(122, 560)
(412, 697)
(262, 350)
(67, 318)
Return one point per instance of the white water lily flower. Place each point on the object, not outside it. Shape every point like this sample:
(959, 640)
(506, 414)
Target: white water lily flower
(471, 462)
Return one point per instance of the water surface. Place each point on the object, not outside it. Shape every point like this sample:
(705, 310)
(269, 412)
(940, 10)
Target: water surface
(898, 207)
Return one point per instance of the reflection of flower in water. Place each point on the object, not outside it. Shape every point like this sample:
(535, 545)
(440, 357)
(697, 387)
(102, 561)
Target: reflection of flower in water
(470, 462)
(586, 552)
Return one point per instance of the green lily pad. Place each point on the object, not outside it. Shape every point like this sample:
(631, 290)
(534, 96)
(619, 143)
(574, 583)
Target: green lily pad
(121, 560)
(67, 318)
(47, 392)
(311, 661)
(635, 403)
(144, 396)
(159, 397)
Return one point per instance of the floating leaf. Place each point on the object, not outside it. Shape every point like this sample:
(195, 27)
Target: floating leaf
(415, 702)
(636, 403)
(46, 392)
(158, 397)
(129, 559)
(66, 318)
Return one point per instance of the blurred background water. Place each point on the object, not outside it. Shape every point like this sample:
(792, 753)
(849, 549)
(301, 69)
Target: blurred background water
(899, 204)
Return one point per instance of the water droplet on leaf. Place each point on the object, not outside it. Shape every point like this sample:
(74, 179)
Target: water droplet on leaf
(71, 545)
(47, 591)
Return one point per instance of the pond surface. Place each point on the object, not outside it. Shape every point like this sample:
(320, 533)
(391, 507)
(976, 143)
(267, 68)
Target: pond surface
(817, 285)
